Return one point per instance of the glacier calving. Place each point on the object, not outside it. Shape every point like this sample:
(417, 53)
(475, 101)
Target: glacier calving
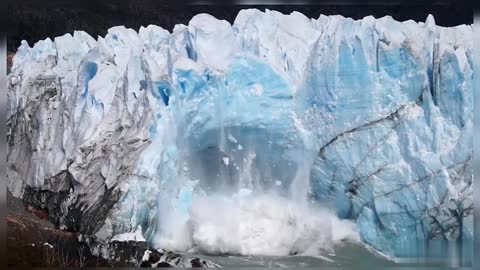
(372, 116)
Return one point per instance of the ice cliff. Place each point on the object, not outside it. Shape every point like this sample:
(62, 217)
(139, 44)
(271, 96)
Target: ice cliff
(370, 117)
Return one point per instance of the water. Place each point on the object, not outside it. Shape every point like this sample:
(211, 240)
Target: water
(347, 254)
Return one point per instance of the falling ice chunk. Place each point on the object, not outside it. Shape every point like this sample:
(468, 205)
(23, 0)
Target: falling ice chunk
(226, 161)
(231, 138)
(278, 183)
(240, 147)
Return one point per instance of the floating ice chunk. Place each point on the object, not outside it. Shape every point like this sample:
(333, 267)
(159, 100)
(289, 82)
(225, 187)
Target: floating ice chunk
(146, 255)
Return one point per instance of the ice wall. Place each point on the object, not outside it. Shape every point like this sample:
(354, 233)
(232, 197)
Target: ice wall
(372, 116)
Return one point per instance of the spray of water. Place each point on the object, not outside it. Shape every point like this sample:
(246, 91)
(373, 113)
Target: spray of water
(232, 198)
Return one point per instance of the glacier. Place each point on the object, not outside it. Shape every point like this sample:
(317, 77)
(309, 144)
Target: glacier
(213, 135)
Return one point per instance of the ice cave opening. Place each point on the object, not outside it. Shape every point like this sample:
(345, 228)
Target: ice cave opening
(250, 158)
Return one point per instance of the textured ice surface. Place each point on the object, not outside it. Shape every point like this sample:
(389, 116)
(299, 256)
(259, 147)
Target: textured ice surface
(371, 116)
(136, 236)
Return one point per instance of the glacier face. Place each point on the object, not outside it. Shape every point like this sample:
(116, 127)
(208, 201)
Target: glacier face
(373, 117)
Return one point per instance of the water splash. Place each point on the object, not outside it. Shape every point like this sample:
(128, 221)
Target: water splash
(232, 204)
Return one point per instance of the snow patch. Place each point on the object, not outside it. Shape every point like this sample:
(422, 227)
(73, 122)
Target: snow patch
(136, 236)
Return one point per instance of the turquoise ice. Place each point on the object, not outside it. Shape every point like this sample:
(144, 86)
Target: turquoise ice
(370, 117)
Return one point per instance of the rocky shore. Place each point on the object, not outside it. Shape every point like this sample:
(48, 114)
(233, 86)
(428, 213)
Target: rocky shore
(32, 241)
